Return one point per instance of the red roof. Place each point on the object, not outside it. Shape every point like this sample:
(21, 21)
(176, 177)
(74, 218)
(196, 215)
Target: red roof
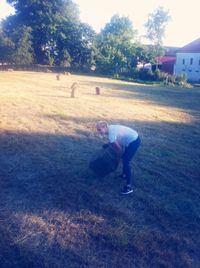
(193, 47)
(166, 59)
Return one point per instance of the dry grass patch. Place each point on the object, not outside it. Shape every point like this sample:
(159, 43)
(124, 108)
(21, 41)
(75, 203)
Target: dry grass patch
(55, 213)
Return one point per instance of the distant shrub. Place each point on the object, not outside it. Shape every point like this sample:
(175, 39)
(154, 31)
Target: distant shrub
(116, 76)
(146, 74)
(132, 73)
(181, 80)
(156, 76)
(168, 79)
(196, 85)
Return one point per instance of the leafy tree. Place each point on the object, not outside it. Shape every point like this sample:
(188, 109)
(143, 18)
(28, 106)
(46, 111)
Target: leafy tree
(23, 53)
(65, 59)
(115, 45)
(120, 27)
(58, 35)
(156, 26)
(44, 18)
(6, 48)
(82, 45)
(77, 41)
(144, 53)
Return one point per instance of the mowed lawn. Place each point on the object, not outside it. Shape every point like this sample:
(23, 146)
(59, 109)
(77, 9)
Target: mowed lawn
(54, 212)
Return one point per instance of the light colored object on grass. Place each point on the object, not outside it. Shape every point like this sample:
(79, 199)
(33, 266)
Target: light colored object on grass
(67, 73)
(73, 89)
(48, 71)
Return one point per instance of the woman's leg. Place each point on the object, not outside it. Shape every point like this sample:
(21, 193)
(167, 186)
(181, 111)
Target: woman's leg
(127, 157)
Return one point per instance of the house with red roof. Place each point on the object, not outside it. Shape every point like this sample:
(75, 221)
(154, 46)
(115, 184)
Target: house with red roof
(188, 61)
(166, 63)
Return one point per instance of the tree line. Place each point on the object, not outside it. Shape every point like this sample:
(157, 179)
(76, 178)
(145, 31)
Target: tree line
(51, 33)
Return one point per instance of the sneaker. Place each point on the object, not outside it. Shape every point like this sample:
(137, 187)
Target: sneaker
(127, 190)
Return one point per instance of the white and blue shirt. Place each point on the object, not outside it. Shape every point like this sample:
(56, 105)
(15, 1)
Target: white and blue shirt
(122, 134)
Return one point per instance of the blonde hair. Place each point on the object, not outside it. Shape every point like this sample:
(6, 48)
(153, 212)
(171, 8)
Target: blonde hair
(101, 124)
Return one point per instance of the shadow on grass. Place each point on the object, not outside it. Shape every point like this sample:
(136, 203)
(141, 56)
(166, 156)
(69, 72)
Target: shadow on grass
(54, 213)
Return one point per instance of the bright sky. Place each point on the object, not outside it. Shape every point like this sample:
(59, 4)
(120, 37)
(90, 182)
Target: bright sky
(181, 30)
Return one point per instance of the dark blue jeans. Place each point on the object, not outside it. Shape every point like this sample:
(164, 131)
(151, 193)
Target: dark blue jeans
(128, 156)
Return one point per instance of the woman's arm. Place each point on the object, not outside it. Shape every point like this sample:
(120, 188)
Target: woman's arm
(118, 148)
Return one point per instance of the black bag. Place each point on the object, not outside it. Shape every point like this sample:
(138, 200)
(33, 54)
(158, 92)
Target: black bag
(105, 162)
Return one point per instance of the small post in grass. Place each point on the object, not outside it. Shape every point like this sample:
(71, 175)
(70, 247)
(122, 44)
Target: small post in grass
(98, 91)
(73, 89)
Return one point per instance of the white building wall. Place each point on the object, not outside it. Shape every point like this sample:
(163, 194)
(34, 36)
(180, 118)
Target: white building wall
(188, 64)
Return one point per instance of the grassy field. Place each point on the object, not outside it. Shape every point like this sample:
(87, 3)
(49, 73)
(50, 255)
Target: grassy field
(55, 213)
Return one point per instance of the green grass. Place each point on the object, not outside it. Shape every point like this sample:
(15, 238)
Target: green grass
(54, 212)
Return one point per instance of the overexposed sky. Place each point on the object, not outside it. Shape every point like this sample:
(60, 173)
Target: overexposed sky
(5, 9)
(181, 30)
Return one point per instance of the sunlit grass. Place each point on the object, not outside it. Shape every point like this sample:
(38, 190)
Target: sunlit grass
(54, 212)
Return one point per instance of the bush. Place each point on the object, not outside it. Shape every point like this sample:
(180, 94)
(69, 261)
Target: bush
(168, 79)
(145, 75)
(131, 74)
(157, 76)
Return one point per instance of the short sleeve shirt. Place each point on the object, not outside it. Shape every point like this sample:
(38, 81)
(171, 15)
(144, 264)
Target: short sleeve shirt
(124, 135)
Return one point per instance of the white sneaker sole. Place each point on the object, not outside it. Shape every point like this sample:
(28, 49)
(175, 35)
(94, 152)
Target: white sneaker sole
(129, 192)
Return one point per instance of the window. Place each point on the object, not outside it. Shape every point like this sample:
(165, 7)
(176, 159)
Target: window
(183, 61)
(191, 61)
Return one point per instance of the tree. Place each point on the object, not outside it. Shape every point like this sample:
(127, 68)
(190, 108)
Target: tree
(144, 53)
(156, 26)
(115, 45)
(6, 48)
(121, 27)
(58, 36)
(76, 40)
(23, 53)
(44, 18)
